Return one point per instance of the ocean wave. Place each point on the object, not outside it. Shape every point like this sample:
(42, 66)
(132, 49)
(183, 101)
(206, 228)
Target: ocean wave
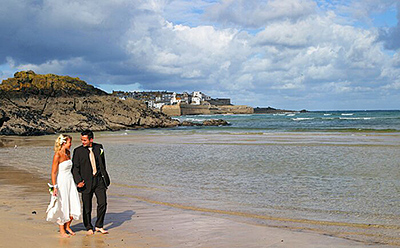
(356, 118)
(194, 119)
(348, 114)
(302, 119)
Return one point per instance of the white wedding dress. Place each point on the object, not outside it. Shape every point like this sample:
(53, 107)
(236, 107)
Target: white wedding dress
(67, 202)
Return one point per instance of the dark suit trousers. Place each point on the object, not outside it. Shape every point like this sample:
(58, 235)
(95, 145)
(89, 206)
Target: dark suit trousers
(99, 189)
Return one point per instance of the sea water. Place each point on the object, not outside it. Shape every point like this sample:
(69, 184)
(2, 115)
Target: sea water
(327, 178)
(324, 121)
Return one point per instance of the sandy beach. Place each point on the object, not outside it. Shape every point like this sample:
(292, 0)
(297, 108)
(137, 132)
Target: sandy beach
(136, 222)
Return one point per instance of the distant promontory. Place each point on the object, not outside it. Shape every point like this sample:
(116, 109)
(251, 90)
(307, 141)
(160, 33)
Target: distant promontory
(34, 104)
(270, 110)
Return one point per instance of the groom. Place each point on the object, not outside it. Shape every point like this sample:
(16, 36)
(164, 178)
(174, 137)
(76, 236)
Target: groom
(90, 175)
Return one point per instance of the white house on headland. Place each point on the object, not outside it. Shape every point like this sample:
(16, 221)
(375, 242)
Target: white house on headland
(180, 98)
(198, 97)
(156, 99)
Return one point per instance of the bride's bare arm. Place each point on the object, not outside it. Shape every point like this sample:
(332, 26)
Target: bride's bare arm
(54, 171)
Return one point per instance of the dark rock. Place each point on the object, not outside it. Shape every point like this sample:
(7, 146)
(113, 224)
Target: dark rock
(190, 124)
(38, 116)
(3, 117)
(214, 122)
(211, 122)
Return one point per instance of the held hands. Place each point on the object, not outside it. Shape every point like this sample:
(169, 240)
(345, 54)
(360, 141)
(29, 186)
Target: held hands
(55, 191)
(81, 184)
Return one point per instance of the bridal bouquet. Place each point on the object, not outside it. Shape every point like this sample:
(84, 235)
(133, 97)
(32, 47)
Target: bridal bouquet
(51, 188)
(53, 199)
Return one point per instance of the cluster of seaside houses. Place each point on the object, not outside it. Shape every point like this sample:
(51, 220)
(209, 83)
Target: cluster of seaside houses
(157, 99)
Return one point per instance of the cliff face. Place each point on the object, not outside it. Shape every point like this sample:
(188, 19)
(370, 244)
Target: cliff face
(32, 104)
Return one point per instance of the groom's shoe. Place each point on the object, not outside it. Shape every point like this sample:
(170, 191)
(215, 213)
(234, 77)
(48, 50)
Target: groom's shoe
(102, 230)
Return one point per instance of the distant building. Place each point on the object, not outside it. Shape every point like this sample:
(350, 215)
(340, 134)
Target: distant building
(199, 97)
(157, 99)
(153, 99)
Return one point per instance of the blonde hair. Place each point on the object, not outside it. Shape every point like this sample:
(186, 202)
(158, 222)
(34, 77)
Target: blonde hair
(60, 141)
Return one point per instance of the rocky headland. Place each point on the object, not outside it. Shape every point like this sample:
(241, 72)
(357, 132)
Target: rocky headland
(270, 110)
(34, 104)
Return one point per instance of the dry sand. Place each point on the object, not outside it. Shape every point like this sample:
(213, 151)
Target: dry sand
(135, 223)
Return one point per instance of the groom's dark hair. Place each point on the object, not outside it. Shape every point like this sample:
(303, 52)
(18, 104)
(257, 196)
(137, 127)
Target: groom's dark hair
(89, 133)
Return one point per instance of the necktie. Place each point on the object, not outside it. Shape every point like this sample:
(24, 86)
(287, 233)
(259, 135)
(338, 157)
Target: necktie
(92, 160)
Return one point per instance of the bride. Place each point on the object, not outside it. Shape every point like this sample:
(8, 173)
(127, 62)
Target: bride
(65, 205)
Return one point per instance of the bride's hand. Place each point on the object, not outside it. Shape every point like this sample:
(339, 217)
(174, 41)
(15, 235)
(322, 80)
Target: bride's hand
(55, 192)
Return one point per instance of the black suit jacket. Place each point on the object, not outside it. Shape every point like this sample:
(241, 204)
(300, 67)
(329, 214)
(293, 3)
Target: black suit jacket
(82, 168)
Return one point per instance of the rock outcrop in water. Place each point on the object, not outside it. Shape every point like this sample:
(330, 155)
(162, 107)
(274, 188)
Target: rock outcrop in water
(212, 122)
(33, 104)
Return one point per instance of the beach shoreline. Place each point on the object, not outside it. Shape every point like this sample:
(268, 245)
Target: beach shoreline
(137, 222)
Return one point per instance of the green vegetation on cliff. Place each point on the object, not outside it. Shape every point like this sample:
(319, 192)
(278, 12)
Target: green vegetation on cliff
(28, 83)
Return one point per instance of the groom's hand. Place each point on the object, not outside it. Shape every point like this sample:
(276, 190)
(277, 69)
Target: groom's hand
(81, 184)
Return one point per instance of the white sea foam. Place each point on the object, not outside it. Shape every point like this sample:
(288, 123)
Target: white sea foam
(349, 118)
(194, 119)
(356, 118)
(327, 114)
(302, 119)
(347, 114)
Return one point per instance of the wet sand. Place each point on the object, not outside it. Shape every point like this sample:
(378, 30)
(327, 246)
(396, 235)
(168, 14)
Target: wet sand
(134, 222)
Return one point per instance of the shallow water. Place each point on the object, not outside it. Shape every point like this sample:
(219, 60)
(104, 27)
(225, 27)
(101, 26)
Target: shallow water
(347, 183)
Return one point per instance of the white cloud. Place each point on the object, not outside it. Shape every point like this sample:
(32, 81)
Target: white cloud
(299, 50)
(340, 87)
(392, 86)
(121, 87)
(54, 66)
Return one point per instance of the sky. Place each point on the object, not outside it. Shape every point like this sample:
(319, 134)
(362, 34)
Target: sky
(288, 54)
